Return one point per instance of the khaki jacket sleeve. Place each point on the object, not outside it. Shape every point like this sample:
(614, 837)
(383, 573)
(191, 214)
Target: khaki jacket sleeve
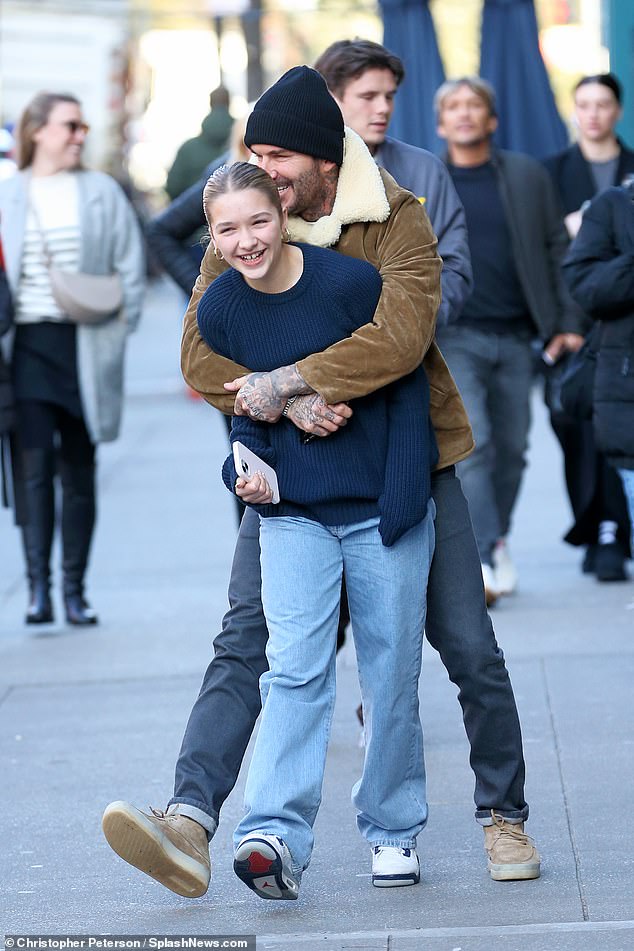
(403, 248)
(204, 370)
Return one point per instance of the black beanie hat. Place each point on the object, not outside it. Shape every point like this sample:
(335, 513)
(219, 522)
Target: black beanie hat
(298, 113)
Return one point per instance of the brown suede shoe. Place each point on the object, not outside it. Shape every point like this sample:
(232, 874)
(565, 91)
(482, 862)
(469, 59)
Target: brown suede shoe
(511, 853)
(172, 849)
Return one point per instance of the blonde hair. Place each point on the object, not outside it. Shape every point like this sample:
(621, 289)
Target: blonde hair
(35, 115)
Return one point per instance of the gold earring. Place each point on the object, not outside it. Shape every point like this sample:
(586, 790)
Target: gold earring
(286, 235)
(218, 253)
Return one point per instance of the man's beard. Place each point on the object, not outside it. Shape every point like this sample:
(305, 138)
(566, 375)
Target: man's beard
(310, 194)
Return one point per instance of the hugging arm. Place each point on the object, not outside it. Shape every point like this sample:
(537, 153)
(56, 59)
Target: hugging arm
(396, 340)
(385, 349)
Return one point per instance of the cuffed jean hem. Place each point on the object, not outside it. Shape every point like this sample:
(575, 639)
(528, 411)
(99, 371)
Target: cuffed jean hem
(515, 817)
(393, 843)
(190, 811)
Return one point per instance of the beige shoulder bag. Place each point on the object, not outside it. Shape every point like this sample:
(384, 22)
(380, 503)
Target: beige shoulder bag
(85, 298)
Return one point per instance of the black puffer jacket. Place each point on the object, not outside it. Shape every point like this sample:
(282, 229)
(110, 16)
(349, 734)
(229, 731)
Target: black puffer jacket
(599, 270)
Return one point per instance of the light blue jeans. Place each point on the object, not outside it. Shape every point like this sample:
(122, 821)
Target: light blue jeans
(627, 478)
(302, 563)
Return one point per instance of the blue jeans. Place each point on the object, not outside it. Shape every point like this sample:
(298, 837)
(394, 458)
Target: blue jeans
(458, 627)
(302, 564)
(494, 374)
(627, 478)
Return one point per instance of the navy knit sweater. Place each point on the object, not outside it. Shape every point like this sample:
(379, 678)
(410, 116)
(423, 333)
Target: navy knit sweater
(380, 462)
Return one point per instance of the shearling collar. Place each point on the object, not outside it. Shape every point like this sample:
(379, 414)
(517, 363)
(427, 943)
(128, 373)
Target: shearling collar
(360, 197)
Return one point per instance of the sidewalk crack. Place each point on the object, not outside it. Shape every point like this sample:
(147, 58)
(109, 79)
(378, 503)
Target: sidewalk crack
(567, 807)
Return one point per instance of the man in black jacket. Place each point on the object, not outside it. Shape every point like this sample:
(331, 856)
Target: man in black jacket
(596, 161)
(517, 241)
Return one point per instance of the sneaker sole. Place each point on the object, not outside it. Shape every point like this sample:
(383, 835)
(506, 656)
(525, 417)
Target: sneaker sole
(139, 843)
(268, 881)
(514, 873)
(394, 881)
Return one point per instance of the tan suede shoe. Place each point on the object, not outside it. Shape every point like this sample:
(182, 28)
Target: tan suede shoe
(511, 853)
(172, 849)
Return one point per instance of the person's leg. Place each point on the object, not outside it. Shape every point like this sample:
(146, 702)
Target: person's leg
(509, 412)
(577, 444)
(459, 628)
(627, 478)
(613, 541)
(77, 475)
(35, 438)
(471, 357)
(215, 742)
(172, 846)
(387, 598)
(301, 585)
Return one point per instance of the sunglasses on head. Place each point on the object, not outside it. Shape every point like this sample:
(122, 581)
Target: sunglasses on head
(74, 126)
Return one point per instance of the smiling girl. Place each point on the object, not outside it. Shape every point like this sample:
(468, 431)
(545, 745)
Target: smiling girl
(359, 501)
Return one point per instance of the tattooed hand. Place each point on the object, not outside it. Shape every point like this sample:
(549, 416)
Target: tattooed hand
(262, 396)
(256, 398)
(313, 415)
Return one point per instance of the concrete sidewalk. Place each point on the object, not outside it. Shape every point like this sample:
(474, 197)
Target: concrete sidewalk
(88, 716)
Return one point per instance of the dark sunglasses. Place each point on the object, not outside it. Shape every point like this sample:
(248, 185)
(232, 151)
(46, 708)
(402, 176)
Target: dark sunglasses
(74, 126)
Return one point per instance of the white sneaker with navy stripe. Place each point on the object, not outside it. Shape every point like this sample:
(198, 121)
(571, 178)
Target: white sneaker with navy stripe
(393, 867)
(265, 865)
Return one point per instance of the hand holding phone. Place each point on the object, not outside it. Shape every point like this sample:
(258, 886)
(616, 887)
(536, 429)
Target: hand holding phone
(257, 474)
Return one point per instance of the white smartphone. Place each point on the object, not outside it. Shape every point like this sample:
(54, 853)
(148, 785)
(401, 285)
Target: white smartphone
(247, 463)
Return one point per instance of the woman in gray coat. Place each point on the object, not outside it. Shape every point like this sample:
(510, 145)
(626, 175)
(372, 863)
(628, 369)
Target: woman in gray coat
(67, 377)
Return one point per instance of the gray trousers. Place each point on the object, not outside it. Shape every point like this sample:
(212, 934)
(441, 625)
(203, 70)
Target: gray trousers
(494, 374)
(458, 626)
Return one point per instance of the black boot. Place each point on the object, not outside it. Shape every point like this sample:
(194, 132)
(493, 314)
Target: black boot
(38, 466)
(78, 521)
(78, 611)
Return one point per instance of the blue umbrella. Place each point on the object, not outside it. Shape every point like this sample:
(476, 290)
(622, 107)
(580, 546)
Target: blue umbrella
(511, 61)
(408, 31)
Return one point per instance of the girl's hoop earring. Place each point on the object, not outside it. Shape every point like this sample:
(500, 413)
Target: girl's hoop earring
(218, 254)
(286, 235)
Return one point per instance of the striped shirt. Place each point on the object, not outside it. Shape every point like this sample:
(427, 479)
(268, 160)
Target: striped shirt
(52, 222)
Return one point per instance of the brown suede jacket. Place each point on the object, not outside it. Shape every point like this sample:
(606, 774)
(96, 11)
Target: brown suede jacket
(376, 220)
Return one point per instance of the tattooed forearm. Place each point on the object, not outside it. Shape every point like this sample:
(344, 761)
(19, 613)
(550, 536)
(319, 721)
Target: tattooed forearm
(288, 381)
(263, 395)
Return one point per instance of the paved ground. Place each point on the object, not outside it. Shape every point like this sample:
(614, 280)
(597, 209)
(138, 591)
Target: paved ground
(91, 716)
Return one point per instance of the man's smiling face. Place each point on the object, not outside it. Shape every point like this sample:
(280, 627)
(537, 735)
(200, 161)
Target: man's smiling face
(300, 179)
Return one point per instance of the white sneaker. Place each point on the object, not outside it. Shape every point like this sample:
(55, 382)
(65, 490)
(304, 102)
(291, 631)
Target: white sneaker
(505, 570)
(392, 867)
(491, 591)
(265, 865)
